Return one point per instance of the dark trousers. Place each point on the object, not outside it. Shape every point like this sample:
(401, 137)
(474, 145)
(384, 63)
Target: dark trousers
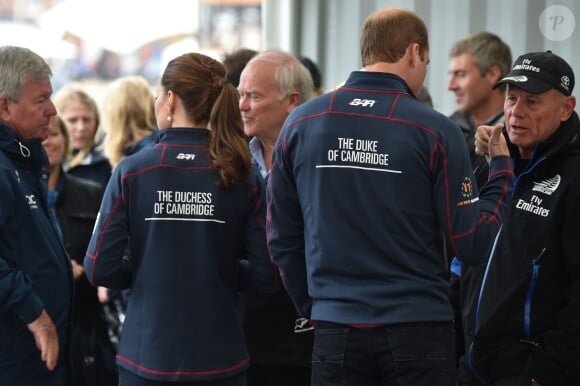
(512, 381)
(466, 378)
(274, 375)
(408, 354)
(127, 378)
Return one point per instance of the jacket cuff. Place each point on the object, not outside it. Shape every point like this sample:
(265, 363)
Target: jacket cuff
(501, 162)
(30, 308)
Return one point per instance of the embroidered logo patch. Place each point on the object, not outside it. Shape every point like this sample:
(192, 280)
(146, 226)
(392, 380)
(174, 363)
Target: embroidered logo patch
(548, 186)
(467, 192)
(31, 201)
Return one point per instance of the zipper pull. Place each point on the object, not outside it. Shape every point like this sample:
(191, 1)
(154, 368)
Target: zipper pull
(537, 259)
(536, 265)
(529, 341)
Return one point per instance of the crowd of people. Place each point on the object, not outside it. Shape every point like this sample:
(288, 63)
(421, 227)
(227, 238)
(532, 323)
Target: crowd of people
(236, 224)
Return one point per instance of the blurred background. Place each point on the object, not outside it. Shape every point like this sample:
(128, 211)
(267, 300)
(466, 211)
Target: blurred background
(95, 41)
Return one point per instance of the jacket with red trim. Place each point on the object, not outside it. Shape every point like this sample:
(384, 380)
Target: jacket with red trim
(169, 233)
(364, 182)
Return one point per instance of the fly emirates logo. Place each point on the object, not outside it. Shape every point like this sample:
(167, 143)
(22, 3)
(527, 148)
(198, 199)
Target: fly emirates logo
(533, 206)
(548, 187)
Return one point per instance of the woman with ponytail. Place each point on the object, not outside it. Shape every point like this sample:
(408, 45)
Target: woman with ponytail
(190, 212)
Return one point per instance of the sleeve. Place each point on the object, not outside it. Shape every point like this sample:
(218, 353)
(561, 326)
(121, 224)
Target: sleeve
(470, 219)
(555, 360)
(16, 289)
(285, 227)
(106, 261)
(257, 271)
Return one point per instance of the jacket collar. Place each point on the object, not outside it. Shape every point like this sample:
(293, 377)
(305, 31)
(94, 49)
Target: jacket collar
(377, 80)
(565, 138)
(182, 135)
(28, 153)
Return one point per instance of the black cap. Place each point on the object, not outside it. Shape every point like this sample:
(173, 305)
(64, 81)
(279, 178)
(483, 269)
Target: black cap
(538, 72)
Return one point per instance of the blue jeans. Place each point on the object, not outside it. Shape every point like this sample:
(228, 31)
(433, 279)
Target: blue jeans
(413, 354)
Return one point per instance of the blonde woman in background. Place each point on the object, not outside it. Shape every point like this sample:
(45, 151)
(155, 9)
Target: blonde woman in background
(80, 113)
(128, 117)
(129, 121)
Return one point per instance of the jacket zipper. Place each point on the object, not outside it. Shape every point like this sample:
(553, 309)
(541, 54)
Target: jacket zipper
(491, 255)
(476, 326)
(530, 294)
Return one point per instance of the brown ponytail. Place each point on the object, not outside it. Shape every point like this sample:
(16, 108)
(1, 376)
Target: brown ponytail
(210, 99)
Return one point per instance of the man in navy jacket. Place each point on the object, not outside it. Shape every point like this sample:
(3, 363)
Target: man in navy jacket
(36, 282)
(364, 182)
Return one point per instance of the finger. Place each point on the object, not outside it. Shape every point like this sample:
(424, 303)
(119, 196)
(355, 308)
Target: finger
(51, 361)
(38, 343)
(481, 145)
(41, 344)
(497, 132)
(52, 355)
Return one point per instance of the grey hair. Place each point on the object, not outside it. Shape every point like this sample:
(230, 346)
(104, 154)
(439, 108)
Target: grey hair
(291, 75)
(18, 66)
(487, 50)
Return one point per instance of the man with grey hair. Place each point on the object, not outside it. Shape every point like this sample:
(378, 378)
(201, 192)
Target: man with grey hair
(526, 316)
(36, 281)
(271, 85)
(476, 63)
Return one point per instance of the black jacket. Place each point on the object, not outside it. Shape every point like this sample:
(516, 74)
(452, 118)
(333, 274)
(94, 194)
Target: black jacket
(76, 208)
(92, 354)
(465, 123)
(95, 167)
(528, 313)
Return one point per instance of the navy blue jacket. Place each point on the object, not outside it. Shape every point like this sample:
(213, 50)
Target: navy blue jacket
(275, 334)
(527, 319)
(35, 270)
(364, 182)
(186, 237)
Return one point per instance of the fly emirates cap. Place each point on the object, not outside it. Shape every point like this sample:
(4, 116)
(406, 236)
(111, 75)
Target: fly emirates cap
(538, 72)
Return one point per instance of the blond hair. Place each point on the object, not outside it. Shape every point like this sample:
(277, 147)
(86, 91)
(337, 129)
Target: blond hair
(128, 115)
(62, 99)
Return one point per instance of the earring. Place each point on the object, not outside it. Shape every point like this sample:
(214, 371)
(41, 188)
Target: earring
(169, 118)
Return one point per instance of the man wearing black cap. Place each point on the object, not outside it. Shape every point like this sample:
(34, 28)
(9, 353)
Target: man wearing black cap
(527, 316)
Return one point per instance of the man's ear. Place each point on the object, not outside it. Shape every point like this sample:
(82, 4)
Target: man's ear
(493, 74)
(568, 106)
(4, 112)
(414, 54)
(293, 100)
